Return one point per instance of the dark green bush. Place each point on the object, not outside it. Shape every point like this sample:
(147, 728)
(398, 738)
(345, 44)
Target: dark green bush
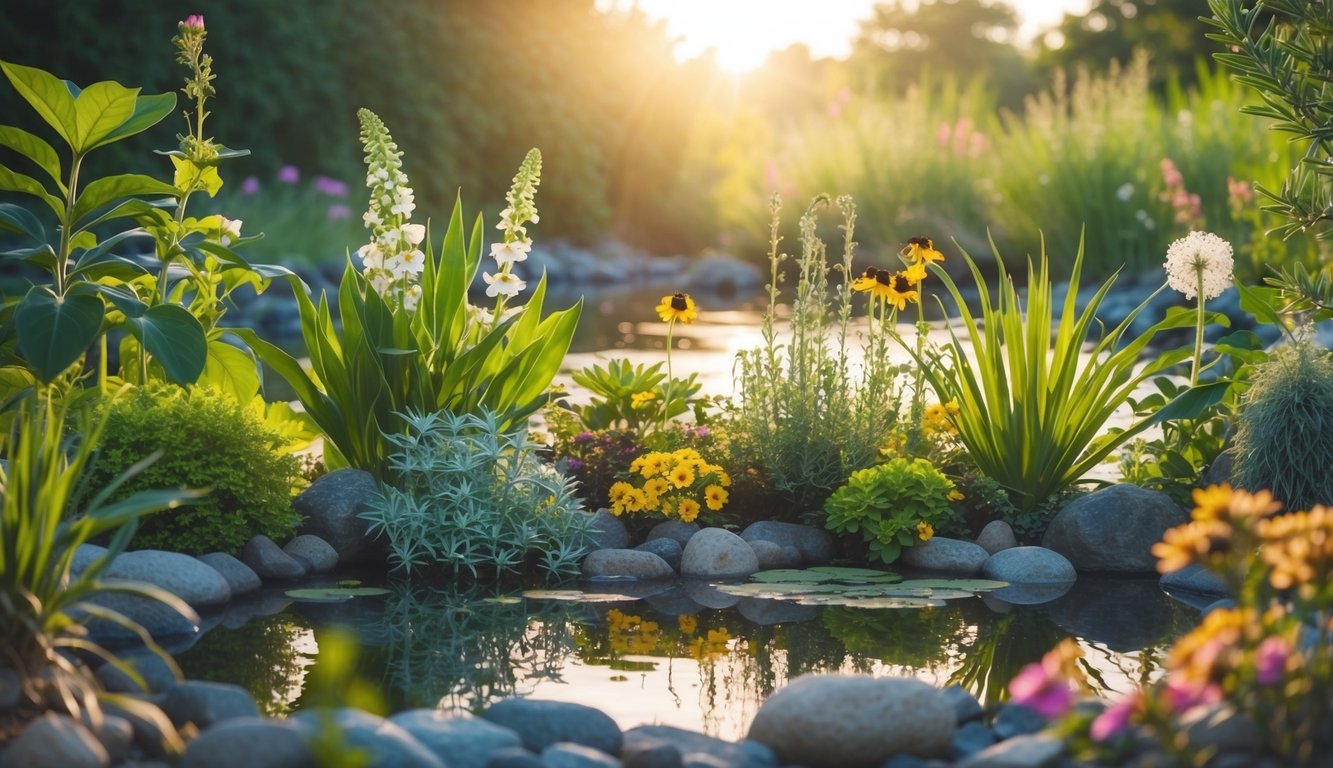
(208, 441)
(1284, 434)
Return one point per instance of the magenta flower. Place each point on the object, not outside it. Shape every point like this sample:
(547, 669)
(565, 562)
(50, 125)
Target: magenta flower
(331, 187)
(1270, 660)
(250, 186)
(194, 22)
(1182, 696)
(338, 212)
(1114, 720)
(1040, 687)
(289, 174)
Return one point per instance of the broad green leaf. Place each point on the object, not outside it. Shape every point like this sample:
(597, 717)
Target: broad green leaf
(190, 177)
(48, 95)
(19, 220)
(231, 370)
(1260, 301)
(55, 331)
(108, 189)
(148, 111)
(12, 181)
(174, 338)
(92, 263)
(100, 109)
(35, 149)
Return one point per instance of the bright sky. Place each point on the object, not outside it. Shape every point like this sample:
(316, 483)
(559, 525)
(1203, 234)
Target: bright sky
(745, 31)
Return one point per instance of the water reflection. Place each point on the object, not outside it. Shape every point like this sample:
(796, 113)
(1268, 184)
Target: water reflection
(669, 658)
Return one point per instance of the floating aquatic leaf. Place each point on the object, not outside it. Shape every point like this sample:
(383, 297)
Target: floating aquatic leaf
(967, 585)
(577, 595)
(857, 587)
(503, 600)
(825, 574)
(334, 594)
(349, 582)
(874, 602)
(845, 574)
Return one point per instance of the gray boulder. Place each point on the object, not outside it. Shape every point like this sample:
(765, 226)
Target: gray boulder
(55, 741)
(185, 577)
(332, 506)
(240, 577)
(316, 554)
(608, 532)
(996, 537)
(541, 723)
(666, 548)
(845, 721)
(388, 744)
(947, 555)
(252, 742)
(115, 734)
(11, 690)
(719, 272)
(1026, 751)
(157, 674)
(1029, 565)
(269, 561)
(166, 624)
(84, 555)
(566, 755)
(772, 555)
(460, 741)
(746, 753)
(1194, 578)
(1112, 530)
(716, 553)
(626, 563)
(816, 545)
(205, 703)
(674, 529)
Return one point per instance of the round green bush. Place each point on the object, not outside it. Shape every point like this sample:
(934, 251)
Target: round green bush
(893, 505)
(1284, 433)
(208, 441)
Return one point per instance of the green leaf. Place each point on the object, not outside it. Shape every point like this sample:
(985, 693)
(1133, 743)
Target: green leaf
(17, 219)
(54, 331)
(231, 370)
(148, 111)
(48, 95)
(35, 149)
(174, 338)
(100, 109)
(12, 181)
(1262, 302)
(111, 188)
(190, 177)
(334, 594)
(575, 595)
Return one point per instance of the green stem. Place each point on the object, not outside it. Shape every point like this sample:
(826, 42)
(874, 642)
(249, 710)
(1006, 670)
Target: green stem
(62, 258)
(1198, 328)
(666, 400)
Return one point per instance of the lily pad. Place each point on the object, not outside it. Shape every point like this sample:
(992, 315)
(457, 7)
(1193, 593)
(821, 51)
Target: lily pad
(577, 595)
(825, 574)
(334, 594)
(856, 587)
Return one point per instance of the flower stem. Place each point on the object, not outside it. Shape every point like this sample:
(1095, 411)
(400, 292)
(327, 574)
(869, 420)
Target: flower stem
(1198, 328)
(666, 399)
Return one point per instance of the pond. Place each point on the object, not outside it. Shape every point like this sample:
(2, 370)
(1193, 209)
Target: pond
(680, 653)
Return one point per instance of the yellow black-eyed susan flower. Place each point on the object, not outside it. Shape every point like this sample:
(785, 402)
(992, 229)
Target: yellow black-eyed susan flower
(919, 249)
(915, 273)
(898, 289)
(677, 306)
(716, 496)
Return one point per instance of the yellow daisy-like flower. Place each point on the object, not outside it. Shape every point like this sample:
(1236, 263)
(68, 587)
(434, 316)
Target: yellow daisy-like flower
(956, 495)
(915, 273)
(653, 464)
(689, 510)
(716, 497)
(681, 476)
(1212, 503)
(686, 454)
(924, 530)
(919, 249)
(655, 488)
(723, 478)
(642, 399)
(666, 507)
(618, 491)
(678, 306)
(636, 500)
(899, 290)
(874, 280)
(688, 624)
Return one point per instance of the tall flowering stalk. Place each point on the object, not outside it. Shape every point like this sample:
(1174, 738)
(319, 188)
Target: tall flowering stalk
(520, 211)
(392, 260)
(1199, 265)
(678, 306)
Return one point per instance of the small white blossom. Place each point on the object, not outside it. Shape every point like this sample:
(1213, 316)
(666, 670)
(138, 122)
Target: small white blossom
(411, 297)
(1195, 256)
(371, 256)
(413, 234)
(231, 231)
(414, 262)
(503, 284)
(381, 281)
(511, 252)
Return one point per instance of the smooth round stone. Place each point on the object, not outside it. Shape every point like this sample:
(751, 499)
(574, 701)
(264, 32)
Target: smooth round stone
(674, 529)
(649, 753)
(816, 545)
(946, 555)
(1029, 565)
(629, 563)
(566, 755)
(205, 703)
(666, 548)
(1194, 578)
(185, 577)
(389, 745)
(696, 746)
(1112, 530)
(461, 741)
(971, 739)
(116, 735)
(332, 508)
(772, 555)
(541, 723)
(1018, 752)
(608, 531)
(251, 742)
(240, 577)
(56, 741)
(846, 721)
(316, 554)
(269, 561)
(997, 536)
(716, 553)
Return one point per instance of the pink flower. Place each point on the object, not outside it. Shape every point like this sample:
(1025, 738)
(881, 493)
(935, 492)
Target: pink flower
(250, 186)
(1270, 660)
(331, 187)
(1114, 720)
(1182, 696)
(1170, 175)
(1040, 688)
(338, 212)
(289, 174)
(193, 22)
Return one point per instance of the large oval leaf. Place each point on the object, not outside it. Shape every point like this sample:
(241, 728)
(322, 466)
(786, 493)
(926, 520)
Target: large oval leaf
(148, 111)
(100, 109)
(47, 94)
(35, 149)
(111, 188)
(174, 338)
(54, 331)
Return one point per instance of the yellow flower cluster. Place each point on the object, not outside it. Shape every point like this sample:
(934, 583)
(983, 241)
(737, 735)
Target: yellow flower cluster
(1299, 548)
(715, 644)
(1208, 539)
(899, 288)
(938, 419)
(677, 484)
(631, 634)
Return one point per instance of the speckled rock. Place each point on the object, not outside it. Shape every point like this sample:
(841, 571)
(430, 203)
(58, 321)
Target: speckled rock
(460, 740)
(541, 723)
(816, 545)
(205, 703)
(945, 555)
(269, 561)
(332, 506)
(693, 746)
(626, 563)
(997, 536)
(316, 554)
(674, 529)
(1029, 565)
(772, 555)
(668, 549)
(55, 741)
(566, 755)
(185, 577)
(389, 745)
(1112, 530)
(252, 742)
(716, 553)
(240, 577)
(608, 532)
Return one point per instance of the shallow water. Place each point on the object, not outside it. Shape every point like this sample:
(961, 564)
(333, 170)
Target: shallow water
(681, 654)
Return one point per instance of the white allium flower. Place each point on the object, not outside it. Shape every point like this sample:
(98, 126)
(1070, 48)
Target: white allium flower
(508, 253)
(503, 284)
(1196, 254)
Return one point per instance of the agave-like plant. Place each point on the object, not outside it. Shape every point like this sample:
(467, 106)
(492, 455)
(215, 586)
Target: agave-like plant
(43, 606)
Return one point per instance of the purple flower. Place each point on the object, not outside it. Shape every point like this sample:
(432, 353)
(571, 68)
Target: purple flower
(250, 186)
(193, 22)
(331, 187)
(289, 174)
(1040, 688)
(574, 465)
(701, 431)
(1270, 660)
(1114, 720)
(1182, 695)
(338, 212)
